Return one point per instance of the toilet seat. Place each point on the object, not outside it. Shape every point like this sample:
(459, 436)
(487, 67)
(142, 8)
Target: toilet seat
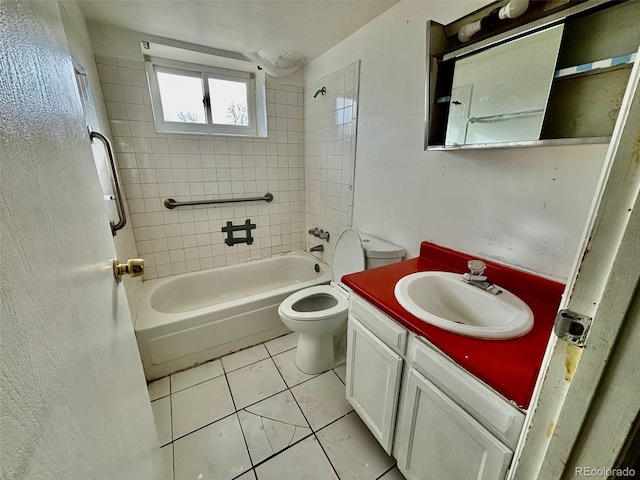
(348, 257)
(339, 309)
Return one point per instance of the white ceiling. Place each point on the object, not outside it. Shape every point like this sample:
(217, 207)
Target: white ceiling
(304, 27)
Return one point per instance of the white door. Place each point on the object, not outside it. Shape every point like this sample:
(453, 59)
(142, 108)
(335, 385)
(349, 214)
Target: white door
(439, 440)
(373, 381)
(74, 404)
(588, 398)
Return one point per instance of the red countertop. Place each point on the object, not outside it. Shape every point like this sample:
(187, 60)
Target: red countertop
(508, 366)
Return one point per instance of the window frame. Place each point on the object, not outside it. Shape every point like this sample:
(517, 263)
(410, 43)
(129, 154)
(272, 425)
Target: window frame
(155, 65)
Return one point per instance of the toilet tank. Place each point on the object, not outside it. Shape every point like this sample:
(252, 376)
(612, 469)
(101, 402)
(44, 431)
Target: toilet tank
(378, 253)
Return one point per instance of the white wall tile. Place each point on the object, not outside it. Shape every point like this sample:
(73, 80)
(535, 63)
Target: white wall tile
(329, 129)
(157, 166)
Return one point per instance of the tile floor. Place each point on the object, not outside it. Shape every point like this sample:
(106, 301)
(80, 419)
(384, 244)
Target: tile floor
(253, 415)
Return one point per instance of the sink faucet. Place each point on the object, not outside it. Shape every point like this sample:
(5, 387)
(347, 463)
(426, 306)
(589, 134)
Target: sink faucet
(476, 278)
(317, 248)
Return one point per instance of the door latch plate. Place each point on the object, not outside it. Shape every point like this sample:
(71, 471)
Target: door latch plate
(572, 327)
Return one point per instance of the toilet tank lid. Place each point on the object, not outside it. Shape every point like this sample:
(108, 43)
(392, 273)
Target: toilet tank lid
(377, 248)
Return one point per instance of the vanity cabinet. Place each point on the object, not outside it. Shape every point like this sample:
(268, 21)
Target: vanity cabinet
(437, 419)
(373, 381)
(374, 369)
(450, 424)
(439, 439)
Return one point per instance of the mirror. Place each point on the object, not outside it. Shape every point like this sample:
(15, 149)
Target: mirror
(555, 76)
(501, 94)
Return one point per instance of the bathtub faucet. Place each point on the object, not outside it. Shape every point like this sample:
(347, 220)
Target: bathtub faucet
(317, 248)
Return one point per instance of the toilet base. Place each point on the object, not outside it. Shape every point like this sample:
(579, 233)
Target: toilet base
(317, 354)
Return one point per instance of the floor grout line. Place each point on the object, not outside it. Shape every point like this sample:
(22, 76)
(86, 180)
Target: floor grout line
(236, 411)
(197, 383)
(313, 432)
(173, 451)
(387, 471)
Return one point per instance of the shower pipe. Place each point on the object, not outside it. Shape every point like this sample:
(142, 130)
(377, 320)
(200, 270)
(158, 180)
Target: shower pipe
(171, 203)
(122, 217)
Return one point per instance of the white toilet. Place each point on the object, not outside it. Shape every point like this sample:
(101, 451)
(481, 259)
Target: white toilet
(319, 314)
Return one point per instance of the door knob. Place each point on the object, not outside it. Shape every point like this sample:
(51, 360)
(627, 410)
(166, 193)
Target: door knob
(134, 268)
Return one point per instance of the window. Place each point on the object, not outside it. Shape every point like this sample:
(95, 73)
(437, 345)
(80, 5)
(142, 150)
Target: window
(189, 98)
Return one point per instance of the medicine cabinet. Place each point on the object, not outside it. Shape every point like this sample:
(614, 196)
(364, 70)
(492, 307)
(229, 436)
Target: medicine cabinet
(556, 75)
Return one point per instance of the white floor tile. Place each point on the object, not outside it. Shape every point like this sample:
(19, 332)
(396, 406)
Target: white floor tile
(282, 344)
(216, 452)
(255, 382)
(287, 366)
(322, 399)
(341, 371)
(305, 460)
(200, 405)
(159, 388)
(167, 457)
(353, 451)
(162, 416)
(393, 474)
(272, 425)
(193, 376)
(244, 357)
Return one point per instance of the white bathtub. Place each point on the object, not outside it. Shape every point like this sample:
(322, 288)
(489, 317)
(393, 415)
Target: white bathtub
(194, 317)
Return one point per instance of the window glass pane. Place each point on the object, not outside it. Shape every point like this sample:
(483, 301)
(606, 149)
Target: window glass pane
(181, 98)
(228, 102)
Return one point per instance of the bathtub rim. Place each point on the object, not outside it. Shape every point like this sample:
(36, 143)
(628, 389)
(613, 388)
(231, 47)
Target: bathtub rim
(147, 318)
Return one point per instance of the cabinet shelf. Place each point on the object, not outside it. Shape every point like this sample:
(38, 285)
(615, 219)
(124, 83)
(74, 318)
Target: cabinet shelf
(597, 52)
(607, 63)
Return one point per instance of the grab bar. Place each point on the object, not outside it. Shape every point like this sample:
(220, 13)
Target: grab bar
(171, 203)
(122, 217)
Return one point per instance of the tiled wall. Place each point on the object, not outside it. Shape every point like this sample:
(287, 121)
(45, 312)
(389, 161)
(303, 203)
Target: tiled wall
(155, 166)
(330, 147)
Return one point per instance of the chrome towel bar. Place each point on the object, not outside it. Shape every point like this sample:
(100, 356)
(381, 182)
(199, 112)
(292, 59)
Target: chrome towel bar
(122, 217)
(171, 203)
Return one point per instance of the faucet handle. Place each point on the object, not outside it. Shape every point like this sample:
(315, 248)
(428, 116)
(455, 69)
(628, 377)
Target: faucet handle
(477, 267)
(323, 235)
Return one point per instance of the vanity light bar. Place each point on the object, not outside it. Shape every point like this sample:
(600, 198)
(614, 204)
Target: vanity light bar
(587, 67)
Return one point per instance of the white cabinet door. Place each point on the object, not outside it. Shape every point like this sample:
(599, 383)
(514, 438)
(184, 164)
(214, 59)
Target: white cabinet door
(437, 439)
(373, 381)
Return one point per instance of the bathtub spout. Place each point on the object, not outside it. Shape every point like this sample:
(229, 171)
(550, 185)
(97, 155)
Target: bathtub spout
(317, 248)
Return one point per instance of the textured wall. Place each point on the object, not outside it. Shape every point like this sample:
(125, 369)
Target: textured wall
(525, 207)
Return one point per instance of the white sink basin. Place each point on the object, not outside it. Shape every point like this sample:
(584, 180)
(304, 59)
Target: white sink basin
(444, 300)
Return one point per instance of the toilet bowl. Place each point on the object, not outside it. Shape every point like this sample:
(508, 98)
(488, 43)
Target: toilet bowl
(319, 314)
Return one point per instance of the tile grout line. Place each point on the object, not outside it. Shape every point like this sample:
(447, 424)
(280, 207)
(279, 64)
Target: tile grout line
(288, 388)
(307, 420)
(246, 445)
(173, 451)
(224, 372)
(387, 471)
(334, 371)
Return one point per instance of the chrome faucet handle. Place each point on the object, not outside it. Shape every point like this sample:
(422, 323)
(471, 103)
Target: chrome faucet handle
(477, 267)
(324, 235)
